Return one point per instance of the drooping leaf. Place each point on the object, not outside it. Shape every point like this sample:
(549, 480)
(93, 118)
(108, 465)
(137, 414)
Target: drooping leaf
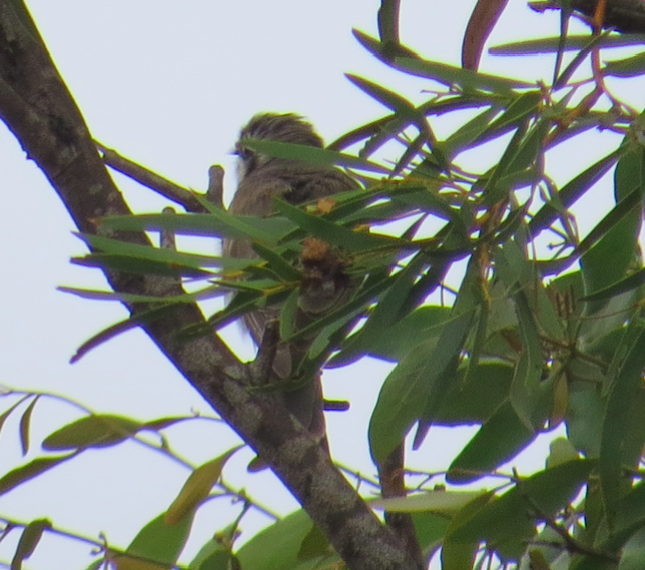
(623, 392)
(25, 424)
(28, 542)
(121, 327)
(196, 488)
(8, 411)
(29, 471)
(480, 24)
(100, 430)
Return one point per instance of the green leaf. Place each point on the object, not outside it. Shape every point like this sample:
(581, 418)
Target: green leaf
(157, 543)
(414, 387)
(471, 133)
(441, 502)
(350, 240)
(451, 76)
(521, 154)
(624, 390)
(583, 427)
(279, 545)
(634, 281)
(278, 265)
(508, 522)
(571, 192)
(528, 371)
(388, 21)
(560, 451)
(314, 545)
(162, 423)
(459, 554)
(520, 108)
(630, 518)
(200, 295)
(29, 541)
(214, 555)
(474, 399)
(402, 337)
(8, 411)
(573, 42)
(219, 223)
(607, 261)
(32, 469)
(401, 106)
(387, 312)
(25, 423)
(629, 67)
(121, 327)
(140, 266)
(196, 488)
(312, 155)
(128, 249)
(502, 436)
(100, 430)
(633, 554)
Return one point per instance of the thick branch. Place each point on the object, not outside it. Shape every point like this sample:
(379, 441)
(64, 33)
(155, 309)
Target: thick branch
(36, 106)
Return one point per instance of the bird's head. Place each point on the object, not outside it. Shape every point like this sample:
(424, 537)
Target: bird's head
(289, 128)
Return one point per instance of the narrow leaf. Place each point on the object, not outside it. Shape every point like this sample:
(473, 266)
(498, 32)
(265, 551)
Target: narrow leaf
(32, 469)
(624, 389)
(25, 423)
(7, 412)
(312, 155)
(502, 436)
(121, 327)
(100, 430)
(511, 519)
(218, 224)
(350, 240)
(196, 488)
(29, 541)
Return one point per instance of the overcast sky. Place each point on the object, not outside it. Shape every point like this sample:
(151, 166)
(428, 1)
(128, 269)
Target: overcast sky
(169, 84)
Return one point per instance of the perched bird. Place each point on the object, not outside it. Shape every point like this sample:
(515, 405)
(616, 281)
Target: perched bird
(262, 178)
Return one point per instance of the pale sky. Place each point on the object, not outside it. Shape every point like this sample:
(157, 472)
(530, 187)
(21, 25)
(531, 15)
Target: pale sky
(169, 84)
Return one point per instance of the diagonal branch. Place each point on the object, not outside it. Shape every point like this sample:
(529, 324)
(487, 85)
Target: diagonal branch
(37, 107)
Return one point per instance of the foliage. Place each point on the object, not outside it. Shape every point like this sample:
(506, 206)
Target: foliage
(545, 326)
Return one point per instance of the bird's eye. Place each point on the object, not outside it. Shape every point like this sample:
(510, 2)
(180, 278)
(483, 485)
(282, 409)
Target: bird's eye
(243, 152)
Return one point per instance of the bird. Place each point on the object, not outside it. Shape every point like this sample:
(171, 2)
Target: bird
(261, 179)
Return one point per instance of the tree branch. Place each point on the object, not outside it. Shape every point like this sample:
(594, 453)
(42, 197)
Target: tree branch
(37, 107)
